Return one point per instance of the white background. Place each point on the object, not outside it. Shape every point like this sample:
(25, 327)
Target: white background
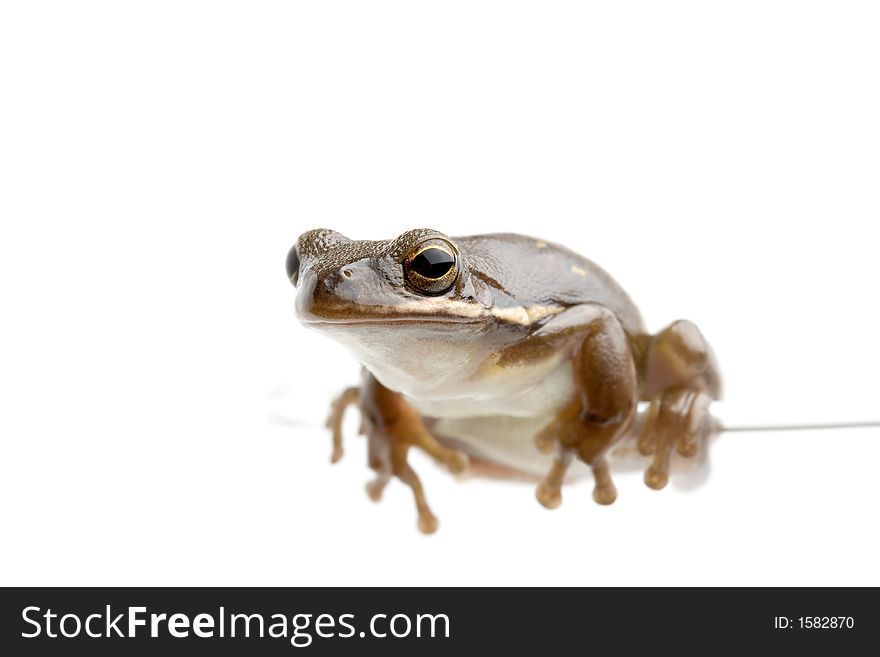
(158, 159)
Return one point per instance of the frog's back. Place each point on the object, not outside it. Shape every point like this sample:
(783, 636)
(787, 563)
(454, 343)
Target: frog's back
(522, 268)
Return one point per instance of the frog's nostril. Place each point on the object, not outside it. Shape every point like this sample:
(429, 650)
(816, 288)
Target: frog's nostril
(346, 273)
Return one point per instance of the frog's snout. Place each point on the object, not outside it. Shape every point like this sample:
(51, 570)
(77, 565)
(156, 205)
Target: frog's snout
(329, 296)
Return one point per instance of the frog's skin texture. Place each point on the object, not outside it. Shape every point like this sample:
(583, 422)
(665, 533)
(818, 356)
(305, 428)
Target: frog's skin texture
(503, 352)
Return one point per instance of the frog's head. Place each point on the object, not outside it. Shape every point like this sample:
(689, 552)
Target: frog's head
(408, 308)
(418, 277)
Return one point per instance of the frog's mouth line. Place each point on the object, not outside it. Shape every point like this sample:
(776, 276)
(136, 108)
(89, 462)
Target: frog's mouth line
(516, 316)
(396, 320)
(448, 312)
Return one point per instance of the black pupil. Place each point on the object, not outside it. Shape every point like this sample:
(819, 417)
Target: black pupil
(432, 263)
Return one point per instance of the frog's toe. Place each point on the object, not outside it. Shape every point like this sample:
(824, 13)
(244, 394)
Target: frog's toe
(457, 461)
(546, 439)
(549, 491)
(687, 447)
(646, 443)
(604, 491)
(415, 434)
(549, 496)
(348, 397)
(427, 523)
(376, 487)
(677, 420)
(401, 468)
(656, 478)
(605, 494)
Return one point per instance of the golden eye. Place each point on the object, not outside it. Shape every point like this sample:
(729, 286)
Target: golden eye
(432, 267)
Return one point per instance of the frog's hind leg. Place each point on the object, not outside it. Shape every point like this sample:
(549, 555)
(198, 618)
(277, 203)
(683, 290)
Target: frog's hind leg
(680, 381)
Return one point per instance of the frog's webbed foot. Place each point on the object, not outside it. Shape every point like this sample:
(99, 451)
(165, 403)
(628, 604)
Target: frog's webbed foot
(392, 427)
(677, 419)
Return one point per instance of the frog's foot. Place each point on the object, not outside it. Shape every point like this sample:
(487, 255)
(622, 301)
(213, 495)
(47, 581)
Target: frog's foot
(549, 491)
(681, 379)
(427, 521)
(676, 419)
(567, 432)
(388, 457)
(376, 487)
(348, 397)
(414, 434)
(604, 491)
(393, 427)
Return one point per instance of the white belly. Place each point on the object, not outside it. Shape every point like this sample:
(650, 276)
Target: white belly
(500, 439)
(498, 421)
(542, 394)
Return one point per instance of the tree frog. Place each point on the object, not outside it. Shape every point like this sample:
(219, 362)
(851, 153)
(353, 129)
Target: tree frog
(504, 353)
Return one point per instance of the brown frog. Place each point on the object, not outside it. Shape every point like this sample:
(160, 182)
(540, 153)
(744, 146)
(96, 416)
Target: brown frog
(507, 352)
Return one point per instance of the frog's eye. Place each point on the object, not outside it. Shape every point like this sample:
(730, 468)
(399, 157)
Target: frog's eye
(432, 267)
(293, 264)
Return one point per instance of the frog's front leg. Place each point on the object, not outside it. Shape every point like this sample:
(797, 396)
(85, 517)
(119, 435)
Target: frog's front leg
(604, 401)
(392, 427)
(348, 397)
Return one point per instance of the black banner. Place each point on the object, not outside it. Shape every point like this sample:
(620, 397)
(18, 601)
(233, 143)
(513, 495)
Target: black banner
(185, 621)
